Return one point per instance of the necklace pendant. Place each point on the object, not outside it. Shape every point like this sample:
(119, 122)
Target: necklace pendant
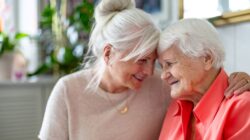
(124, 110)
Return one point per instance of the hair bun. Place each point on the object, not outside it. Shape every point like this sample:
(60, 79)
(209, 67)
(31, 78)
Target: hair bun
(110, 7)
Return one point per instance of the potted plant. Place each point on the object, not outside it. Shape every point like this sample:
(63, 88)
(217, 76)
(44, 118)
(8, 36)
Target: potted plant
(7, 48)
(63, 38)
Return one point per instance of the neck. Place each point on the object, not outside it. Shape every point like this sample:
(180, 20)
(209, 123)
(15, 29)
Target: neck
(205, 84)
(109, 84)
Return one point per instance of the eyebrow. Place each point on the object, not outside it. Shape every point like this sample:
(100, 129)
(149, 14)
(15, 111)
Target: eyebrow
(146, 58)
(169, 60)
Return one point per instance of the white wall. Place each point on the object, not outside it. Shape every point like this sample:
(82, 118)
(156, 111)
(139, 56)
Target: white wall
(27, 17)
(236, 39)
(7, 14)
(22, 16)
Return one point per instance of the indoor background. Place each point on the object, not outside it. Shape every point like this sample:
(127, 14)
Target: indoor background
(47, 39)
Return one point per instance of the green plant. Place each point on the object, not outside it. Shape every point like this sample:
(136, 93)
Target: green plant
(64, 39)
(8, 43)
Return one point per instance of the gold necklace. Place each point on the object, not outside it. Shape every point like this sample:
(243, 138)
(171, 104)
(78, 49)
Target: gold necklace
(122, 110)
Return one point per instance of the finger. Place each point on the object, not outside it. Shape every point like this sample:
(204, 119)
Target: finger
(234, 79)
(232, 76)
(242, 89)
(229, 93)
(230, 90)
(238, 76)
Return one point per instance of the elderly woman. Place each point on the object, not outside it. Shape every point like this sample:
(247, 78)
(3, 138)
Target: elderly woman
(192, 56)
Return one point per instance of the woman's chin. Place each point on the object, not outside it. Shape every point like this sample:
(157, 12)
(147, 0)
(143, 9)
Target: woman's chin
(175, 95)
(135, 86)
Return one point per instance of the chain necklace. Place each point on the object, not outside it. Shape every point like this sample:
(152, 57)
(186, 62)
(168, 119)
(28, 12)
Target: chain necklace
(122, 110)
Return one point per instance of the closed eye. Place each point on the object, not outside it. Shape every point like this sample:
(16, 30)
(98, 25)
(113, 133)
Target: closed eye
(168, 64)
(142, 61)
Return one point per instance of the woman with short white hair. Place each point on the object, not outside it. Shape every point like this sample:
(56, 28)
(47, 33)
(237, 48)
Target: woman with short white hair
(192, 56)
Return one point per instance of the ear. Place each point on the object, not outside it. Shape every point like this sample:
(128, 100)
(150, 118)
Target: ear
(208, 61)
(107, 53)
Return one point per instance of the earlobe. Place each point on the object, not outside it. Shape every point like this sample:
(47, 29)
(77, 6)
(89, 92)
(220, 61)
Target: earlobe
(107, 53)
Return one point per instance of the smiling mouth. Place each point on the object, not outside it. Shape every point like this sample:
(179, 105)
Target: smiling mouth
(138, 78)
(173, 82)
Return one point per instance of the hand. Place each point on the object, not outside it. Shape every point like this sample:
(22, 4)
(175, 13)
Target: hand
(238, 83)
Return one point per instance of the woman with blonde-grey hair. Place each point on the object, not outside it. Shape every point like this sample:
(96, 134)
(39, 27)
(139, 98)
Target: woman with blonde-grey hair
(192, 57)
(119, 96)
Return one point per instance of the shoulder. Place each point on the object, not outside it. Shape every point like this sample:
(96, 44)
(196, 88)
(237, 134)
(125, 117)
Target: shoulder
(239, 100)
(79, 78)
(237, 105)
(72, 83)
(237, 111)
(82, 75)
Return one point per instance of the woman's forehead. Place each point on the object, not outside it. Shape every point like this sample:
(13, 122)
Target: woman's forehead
(169, 52)
(150, 54)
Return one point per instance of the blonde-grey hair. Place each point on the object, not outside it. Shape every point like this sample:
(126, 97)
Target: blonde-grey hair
(195, 38)
(121, 24)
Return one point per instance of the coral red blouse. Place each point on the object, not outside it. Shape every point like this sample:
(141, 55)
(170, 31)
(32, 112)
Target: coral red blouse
(216, 118)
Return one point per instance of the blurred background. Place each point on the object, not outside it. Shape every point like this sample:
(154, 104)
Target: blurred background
(42, 40)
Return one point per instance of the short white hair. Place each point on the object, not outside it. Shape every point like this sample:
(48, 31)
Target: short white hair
(195, 38)
(121, 24)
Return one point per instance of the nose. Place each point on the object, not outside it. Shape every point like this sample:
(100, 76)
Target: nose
(149, 69)
(165, 74)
